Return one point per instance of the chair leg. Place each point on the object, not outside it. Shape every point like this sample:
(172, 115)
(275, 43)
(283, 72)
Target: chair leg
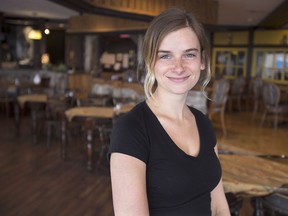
(210, 115)
(275, 120)
(7, 108)
(223, 123)
(230, 104)
(102, 145)
(255, 109)
(239, 103)
(49, 132)
(263, 118)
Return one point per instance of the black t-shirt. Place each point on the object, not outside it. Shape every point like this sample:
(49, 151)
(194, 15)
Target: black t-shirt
(177, 184)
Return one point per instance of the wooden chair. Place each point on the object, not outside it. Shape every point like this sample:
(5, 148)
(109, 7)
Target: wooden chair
(271, 98)
(54, 116)
(38, 115)
(104, 130)
(218, 100)
(234, 202)
(5, 100)
(256, 85)
(272, 204)
(236, 91)
(55, 108)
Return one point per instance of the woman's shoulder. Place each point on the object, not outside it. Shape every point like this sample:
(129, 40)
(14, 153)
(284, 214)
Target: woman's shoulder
(134, 116)
(129, 134)
(201, 118)
(197, 112)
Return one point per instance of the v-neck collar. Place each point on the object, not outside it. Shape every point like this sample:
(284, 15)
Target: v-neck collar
(172, 143)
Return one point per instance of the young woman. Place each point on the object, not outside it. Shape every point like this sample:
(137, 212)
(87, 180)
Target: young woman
(163, 154)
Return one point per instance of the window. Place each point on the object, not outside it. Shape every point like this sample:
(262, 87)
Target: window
(229, 62)
(271, 64)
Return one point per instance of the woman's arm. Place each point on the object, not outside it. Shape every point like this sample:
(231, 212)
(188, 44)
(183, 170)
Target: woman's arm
(219, 203)
(128, 178)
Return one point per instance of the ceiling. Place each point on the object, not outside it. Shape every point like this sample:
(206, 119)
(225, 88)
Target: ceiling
(241, 13)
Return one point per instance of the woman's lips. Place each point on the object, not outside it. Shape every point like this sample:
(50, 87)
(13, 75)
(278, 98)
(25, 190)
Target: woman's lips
(178, 79)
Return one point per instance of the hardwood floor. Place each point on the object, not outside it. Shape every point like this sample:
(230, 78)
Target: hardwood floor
(245, 134)
(34, 180)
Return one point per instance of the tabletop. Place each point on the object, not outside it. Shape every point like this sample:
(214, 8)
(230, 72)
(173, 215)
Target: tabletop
(252, 175)
(97, 112)
(22, 99)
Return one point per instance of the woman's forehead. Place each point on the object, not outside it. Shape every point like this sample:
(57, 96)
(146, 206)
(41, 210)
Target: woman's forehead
(180, 38)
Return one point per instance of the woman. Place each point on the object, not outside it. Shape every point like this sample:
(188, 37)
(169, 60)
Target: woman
(163, 154)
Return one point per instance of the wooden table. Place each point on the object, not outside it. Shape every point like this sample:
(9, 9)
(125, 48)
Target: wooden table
(36, 101)
(252, 175)
(89, 116)
(41, 98)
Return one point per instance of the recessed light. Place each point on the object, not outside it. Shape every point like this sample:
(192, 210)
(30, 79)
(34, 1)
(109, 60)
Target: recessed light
(47, 31)
(249, 19)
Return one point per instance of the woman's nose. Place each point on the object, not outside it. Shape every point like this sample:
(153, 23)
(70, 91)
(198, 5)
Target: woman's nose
(178, 66)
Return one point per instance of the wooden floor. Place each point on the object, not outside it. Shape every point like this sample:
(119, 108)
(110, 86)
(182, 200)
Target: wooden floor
(34, 180)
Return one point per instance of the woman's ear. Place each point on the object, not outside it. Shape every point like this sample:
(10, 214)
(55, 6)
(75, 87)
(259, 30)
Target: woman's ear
(202, 67)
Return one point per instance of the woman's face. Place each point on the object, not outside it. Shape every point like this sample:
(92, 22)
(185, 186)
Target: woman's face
(178, 64)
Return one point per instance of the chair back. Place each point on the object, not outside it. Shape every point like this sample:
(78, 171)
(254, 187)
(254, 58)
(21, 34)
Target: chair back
(256, 85)
(198, 100)
(271, 94)
(275, 203)
(220, 93)
(234, 203)
(238, 85)
(55, 108)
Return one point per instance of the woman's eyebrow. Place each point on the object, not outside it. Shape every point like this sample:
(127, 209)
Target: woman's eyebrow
(188, 50)
(192, 49)
(163, 51)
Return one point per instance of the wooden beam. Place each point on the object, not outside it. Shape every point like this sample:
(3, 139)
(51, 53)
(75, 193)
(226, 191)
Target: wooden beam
(95, 22)
(101, 24)
(206, 10)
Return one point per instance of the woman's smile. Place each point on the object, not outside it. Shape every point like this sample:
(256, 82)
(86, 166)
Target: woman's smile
(178, 79)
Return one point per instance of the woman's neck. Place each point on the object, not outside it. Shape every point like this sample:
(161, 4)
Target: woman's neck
(171, 105)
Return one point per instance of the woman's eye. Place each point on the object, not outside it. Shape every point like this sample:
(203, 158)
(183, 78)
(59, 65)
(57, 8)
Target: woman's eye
(190, 55)
(164, 57)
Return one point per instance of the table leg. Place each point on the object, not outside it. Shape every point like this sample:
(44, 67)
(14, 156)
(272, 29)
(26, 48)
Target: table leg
(63, 140)
(89, 149)
(34, 126)
(258, 208)
(89, 145)
(17, 118)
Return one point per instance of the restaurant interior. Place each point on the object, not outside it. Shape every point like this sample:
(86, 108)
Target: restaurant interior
(69, 68)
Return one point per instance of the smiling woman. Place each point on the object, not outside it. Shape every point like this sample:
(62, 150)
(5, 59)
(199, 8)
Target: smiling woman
(163, 154)
(175, 64)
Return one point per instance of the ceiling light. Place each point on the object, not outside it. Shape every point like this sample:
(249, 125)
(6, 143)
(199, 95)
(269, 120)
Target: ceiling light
(35, 35)
(47, 31)
(45, 59)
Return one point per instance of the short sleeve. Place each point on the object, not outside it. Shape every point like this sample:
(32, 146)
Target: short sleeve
(128, 137)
